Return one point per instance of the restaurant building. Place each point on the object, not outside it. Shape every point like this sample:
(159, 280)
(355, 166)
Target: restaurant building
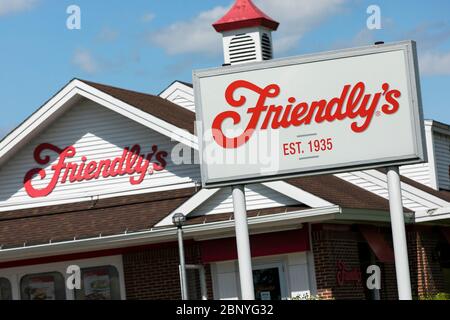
(93, 178)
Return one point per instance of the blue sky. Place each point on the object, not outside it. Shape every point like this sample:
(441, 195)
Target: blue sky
(146, 44)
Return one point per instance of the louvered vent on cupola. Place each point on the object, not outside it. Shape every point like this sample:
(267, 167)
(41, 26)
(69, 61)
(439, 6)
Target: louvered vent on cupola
(266, 46)
(242, 48)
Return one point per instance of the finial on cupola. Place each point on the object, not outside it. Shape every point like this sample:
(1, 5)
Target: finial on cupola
(247, 33)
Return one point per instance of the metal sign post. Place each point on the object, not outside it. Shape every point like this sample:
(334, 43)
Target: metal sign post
(399, 234)
(243, 243)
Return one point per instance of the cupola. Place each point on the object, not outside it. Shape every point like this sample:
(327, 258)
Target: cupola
(247, 33)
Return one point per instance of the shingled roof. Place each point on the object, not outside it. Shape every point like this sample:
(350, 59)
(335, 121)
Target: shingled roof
(244, 14)
(84, 220)
(341, 192)
(135, 213)
(154, 105)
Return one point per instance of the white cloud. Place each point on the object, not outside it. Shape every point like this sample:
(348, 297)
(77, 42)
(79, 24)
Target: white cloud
(434, 63)
(364, 37)
(197, 35)
(148, 17)
(297, 17)
(85, 61)
(14, 6)
(108, 35)
(431, 38)
(191, 36)
(429, 35)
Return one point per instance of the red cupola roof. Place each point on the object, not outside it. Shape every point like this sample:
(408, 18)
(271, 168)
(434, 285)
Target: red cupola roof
(244, 14)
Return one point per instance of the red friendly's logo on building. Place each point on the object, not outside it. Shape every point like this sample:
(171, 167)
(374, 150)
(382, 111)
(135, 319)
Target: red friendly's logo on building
(131, 163)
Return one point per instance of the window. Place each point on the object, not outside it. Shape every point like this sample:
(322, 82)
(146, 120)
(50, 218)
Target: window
(99, 283)
(5, 289)
(269, 282)
(45, 286)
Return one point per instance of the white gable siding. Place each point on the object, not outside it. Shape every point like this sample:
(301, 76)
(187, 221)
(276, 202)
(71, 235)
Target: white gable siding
(180, 94)
(257, 197)
(442, 149)
(184, 102)
(98, 134)
(418, 172)
(435, 173)
(424, 173)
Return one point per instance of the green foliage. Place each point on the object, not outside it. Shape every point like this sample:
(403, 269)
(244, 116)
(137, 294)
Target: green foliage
(307, 296)
(437, 296)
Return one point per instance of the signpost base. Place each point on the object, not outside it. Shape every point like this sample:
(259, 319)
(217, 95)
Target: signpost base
(243, 243)
(399, 234)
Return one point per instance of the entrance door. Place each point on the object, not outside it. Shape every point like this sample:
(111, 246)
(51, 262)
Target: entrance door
(269, 282)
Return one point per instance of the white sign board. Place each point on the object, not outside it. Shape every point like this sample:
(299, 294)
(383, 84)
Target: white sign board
(314, 114)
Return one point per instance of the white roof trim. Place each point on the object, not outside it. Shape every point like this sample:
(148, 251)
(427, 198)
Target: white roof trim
(298, 194)
(30, 125)
(284, 188)
(380, 179)
(190, 205)
(439, 127)
(414, 193)
(184, 90)
(60, 102)
(432, 215)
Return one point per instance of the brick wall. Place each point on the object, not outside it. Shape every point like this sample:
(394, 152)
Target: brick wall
(152, 274)
(425, 269)
(389, 289)
(425, 273)
(331, 244)
(428, 273)
(388, 282)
